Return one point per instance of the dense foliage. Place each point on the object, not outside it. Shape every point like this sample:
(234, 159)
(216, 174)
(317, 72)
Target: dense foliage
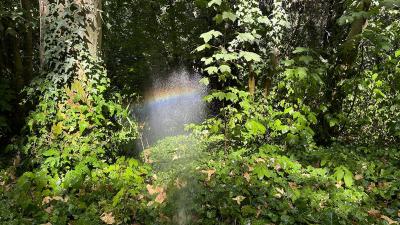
(303, 124)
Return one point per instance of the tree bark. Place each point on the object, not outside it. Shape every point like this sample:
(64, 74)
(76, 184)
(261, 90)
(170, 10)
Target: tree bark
(43, 11)
(18, 66)
(28, 42)
(94, 29)
(252, 80)
(274, 60)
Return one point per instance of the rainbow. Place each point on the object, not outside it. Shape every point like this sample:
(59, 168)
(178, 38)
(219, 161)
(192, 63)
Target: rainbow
(167, 95)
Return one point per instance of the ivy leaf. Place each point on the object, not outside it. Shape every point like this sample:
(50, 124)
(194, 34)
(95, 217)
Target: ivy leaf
(57, 128)
(250, 56)
(83, 125)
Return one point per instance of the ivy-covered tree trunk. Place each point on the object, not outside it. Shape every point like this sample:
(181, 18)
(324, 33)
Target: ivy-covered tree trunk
(94, 28)
(73, 118)
(43, 11)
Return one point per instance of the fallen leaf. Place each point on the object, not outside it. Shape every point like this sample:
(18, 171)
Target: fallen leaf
(292, 185)
(140, 197)
(175, 157)
(387, 219)
(358, 177)
(146, 155)
(371, 187)
(48, 199)
(150, 203)
(150, 189)
(280, 193)
(209, 173)
(239, 199)
(260, 160)
(278, 167)
(374, 213)
(161, 197)
(251, 168)
(108, 218)
(180, 184)
(153, 190)
(247, 176)
(49, 209)
(160, 191)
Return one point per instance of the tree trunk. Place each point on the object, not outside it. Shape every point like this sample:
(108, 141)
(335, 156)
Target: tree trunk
(252, 80)
(2, 62)
(274, 60)
(335, 95)
(43, 11)
(18, 66)
(28, 42)
(94, 29)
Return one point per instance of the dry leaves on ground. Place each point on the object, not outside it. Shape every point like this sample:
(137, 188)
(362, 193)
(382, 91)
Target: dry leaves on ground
(107, 218)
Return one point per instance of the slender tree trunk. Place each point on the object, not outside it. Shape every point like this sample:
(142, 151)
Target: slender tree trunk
(2, 62)
(18, 81)
(28, 41)
(274, 58)
(252, 80)
(18, 66)
(43, 11)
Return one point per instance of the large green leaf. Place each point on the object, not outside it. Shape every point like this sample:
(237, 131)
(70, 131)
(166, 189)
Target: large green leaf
(255, 127)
